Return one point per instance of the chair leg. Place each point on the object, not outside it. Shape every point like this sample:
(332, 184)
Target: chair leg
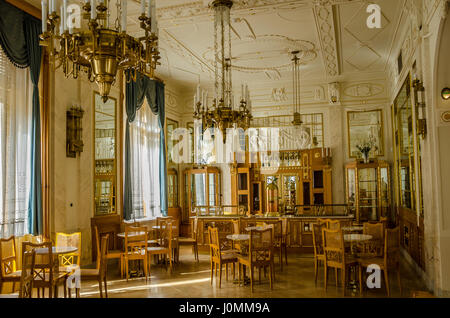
(360, 279)
(399, 280)
(270, 277)
(100, 287)
(325, 276)
(316, 268)
(281, 258)
(251, 277)
(226, 271)
(212, 272)
(220, 275)
(336, 276)
(285, 254)
(145, 268)
(343, 274)
(126, 268)
(106, 287)
(386, 279)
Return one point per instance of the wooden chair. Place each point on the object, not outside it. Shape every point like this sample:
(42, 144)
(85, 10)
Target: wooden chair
(46, 272)
(8, 262)
(26, 278)
(260, 254)
(335, 257)
(333, 225)
(190, 240)
(279, 240)
(390, 260)
(218, 257)
(98, 273)
(319, 255)
(164, 247)
(136, 248)
(374, 247)
(114, 253)
(69, 262)
(236, 226)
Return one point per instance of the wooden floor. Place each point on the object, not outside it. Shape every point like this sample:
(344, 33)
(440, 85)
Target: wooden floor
(192, 279)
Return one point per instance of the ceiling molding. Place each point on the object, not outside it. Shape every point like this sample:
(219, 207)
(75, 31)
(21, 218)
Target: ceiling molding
(325, 25)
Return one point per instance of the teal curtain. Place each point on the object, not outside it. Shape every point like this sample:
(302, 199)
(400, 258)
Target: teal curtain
(19, 39)
(136, 92)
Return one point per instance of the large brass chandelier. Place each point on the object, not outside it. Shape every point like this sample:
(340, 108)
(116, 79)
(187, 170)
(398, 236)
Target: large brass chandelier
(87, 43)
(224, 112)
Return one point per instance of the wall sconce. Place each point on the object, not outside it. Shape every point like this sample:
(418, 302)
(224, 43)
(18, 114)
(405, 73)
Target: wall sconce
(74, 132)
(419, 100)
(445, 93)
(334, 93)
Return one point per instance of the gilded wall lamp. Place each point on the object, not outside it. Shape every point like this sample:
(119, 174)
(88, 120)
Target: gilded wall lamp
(419, 99)
(74, 132)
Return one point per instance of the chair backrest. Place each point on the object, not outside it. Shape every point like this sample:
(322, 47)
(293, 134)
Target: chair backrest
(261, 245)
(334, 225)
(392, 247)
(103, 256)
(214, 243)
(333, 246)
(317, 238)
(166, 235)
(45, 268)
(69, 240)
(136, 240)
(26, 278)
(374, 229)
(8, 256)
(97, 247)
(194, 227)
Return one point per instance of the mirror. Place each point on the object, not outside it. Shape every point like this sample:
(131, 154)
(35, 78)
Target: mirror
(105, 155)
(365, 127)
(171, 125)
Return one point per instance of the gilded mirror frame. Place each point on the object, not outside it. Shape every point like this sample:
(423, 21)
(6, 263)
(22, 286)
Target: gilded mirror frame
(114, 175)
(380, 139)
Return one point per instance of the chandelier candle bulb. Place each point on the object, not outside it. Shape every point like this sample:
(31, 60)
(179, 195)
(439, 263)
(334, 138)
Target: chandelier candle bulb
(61, 23)
(44, 15)
(154, 25)
(93, 10)
(142, 7)
(123, 24)
(64, 15)
(149, 9)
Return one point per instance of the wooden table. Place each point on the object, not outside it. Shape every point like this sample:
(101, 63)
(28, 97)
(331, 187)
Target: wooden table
(131, 234)
(355, 238)
(240, 237)
(354, 228)
(256, 228)
(57, 250)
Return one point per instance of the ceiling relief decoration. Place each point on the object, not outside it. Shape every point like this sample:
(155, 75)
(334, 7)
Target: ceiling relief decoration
(254, 56)
(183, 51)
(363, 90)
(323, 14)
(279, 95)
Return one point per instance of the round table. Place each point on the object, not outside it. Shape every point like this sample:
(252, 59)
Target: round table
(131, 234)
(357, 237)
(158, 227)
(238, 237)
(354, 228)
(256, 228)
(57, 250)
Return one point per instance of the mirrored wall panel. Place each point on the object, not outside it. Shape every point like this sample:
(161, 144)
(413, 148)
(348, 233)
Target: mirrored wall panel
(105, 156)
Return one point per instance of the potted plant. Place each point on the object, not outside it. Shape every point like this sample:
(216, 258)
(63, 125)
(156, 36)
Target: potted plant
(365, 147)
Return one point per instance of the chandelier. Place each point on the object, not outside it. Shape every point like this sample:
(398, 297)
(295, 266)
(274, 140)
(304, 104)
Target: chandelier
(296, 88)
(87, 43)
(224, 112)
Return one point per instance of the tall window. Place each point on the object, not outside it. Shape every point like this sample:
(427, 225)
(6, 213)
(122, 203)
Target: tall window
(15, 147)
(145, 143)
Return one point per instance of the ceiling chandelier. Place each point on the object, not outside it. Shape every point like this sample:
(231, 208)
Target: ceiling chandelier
(224, 112)
(86, 42)
(301, 136)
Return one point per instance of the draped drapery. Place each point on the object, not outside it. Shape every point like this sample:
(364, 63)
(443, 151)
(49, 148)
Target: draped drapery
(19, 39)
(136, 92)
(15, 147)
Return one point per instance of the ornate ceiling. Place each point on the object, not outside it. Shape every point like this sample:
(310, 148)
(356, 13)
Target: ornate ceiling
(338, 45)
